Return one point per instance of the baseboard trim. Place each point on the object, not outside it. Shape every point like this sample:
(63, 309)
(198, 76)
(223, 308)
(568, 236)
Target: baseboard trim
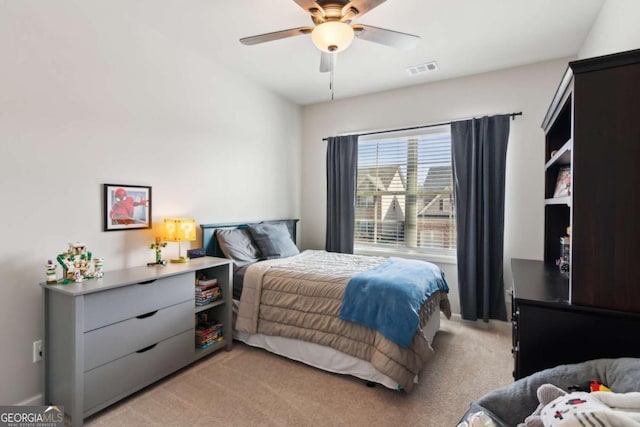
(32, 401)
(457, 317)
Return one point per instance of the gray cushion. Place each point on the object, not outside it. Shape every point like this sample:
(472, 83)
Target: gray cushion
(273, 240)
(236, 244)
(513, 403)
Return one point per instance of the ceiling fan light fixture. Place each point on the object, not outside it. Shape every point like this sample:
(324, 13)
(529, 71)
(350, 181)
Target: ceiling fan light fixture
(332, 36)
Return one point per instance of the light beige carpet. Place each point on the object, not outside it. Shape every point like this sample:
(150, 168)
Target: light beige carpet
(251, 387)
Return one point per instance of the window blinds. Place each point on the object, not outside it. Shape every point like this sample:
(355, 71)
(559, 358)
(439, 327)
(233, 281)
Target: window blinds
(404, 195)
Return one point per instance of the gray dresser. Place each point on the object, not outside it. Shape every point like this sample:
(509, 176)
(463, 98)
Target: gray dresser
(107, 338)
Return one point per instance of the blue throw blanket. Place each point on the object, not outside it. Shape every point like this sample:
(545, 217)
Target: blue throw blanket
(388, 297)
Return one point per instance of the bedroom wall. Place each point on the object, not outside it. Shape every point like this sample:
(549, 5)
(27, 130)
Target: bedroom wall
(88, 97)
(616, 29)
(528, 89)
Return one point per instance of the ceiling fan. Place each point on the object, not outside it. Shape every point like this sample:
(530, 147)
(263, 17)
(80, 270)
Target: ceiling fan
(333, 31)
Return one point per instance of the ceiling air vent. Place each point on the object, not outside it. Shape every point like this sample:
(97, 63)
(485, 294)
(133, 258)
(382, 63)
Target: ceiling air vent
(422, 68)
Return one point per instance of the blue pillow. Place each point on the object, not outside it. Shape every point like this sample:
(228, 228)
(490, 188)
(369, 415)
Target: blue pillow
(273, 240)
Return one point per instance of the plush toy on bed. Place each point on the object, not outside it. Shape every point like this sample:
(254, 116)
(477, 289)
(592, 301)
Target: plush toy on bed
(603, 408)
(593, 385)
(546, 393)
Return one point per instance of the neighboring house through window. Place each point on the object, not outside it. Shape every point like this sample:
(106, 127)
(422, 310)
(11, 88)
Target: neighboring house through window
(404, 195)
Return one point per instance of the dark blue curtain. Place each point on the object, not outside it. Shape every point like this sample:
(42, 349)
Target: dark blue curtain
(342, 168)
(479, 150)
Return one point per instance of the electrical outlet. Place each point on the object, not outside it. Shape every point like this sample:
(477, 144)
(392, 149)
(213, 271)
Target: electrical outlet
(37, 351)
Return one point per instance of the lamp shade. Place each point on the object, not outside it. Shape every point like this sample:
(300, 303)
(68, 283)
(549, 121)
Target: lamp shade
(179, 230)
(332, 36)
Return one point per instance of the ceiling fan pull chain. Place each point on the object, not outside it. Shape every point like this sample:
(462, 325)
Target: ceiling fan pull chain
(333, 55)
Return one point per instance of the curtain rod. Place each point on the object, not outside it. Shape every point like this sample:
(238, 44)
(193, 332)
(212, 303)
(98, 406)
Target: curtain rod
(513, 116)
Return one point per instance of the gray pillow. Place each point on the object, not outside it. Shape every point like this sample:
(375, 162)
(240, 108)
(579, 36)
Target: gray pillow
(236, 244)
(273, 240)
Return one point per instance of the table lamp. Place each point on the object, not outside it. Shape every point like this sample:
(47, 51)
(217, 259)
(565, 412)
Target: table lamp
(179, 230)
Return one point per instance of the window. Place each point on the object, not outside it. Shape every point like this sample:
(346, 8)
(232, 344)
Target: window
(365, 201)
(404, 195)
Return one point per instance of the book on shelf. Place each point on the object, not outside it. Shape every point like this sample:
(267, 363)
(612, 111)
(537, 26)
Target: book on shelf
(208, 299)
(208, 331)
(208, 327)
(211, 297)
(563, 182)
(210, 343)
(206, 296)
(207, 339)
(206, 283)
(208, 291)
(206, 302)
(201, 339)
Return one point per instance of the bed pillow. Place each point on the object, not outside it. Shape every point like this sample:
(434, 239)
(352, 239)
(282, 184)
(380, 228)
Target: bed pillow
(273, 240)
(236, 244)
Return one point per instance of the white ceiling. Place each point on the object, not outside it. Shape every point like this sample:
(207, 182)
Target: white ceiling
(464, 36)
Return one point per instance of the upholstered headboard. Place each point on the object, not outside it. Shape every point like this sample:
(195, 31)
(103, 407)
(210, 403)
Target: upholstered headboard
(210, 243)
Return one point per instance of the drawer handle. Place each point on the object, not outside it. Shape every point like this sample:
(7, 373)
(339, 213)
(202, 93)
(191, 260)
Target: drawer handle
(147, 282)
(149, 314)
(147, 348)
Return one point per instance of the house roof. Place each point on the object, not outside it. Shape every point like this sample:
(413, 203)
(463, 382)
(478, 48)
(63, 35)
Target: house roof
(379, 178)
(438, 178)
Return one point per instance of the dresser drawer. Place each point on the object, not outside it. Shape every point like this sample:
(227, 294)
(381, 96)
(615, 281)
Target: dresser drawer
(120, 339)
(115, 305)
(110, 382)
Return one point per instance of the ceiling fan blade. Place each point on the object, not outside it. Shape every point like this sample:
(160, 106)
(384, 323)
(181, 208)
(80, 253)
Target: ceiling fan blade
(391, 38)
(276, 35)
(361, 6)
(328, 61)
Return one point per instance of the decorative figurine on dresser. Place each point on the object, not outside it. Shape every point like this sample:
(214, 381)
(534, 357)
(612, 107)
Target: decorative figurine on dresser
(77, 264)
(98, 265)
(157, 246)
(51, 272)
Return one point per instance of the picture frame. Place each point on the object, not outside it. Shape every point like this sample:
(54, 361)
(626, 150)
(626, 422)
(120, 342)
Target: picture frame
(126, 207)
(563, 182)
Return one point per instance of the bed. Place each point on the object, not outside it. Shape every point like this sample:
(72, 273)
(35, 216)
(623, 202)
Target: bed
(291, 303)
